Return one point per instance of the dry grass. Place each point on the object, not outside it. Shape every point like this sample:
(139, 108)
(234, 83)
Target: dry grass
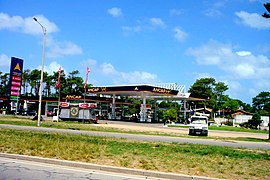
(212, 161)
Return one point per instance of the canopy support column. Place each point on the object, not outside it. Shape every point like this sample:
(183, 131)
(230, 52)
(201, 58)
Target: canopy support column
(143, 109)
(113, 107)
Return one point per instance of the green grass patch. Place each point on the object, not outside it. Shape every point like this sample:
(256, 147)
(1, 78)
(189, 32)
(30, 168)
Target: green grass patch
(212, 161)
(13, 120)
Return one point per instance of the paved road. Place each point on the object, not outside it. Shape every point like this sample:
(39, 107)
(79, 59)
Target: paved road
(237, 144)
(29, 170)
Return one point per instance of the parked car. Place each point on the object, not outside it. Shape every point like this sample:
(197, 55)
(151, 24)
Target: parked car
(244, 124)
(29, 113)
(50, 113)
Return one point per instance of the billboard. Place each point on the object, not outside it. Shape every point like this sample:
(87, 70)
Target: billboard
(15, 80)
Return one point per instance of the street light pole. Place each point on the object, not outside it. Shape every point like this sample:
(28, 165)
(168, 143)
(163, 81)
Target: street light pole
(42, 70)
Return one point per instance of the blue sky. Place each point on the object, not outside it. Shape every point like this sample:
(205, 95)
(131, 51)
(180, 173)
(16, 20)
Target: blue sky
(138, 41)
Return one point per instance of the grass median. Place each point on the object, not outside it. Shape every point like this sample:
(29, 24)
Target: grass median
(26, 121)
(202, 160)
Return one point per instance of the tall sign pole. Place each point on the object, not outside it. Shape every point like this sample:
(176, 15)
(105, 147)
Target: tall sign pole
(42, 70)
(15, 80)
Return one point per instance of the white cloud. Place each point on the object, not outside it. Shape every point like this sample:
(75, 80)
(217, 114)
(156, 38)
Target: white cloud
(244, 70)
(118, 77)
(115, 12)
(211, 53)
(237, 64)
(179, 35)
(243, 53)
(52, 67)
(29, 26)
(60, 49)
(129, 29)
(175, 12)
(253, 20)
(145, 25)
(4, 60)
(201, 75)
(26, 25)
(89, 62)
(138, 77)
(214, 9)
(108, 69)
(157, 22)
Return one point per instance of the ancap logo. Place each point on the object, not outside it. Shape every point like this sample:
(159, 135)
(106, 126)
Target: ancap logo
(17, 67)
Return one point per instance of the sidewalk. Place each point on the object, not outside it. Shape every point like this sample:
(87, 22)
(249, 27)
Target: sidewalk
(114, 169)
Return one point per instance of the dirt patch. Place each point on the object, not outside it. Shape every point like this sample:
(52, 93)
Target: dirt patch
(163, 129)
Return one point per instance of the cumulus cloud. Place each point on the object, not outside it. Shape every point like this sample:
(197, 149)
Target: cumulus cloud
(157, 22)
(4, 60)
(89, 62)
(145, 25)
(118, 77)
(115, 12)
(130, 29)
(179, 35)
(243, 53)
(138, 77)
(211, 53)
(29, 26)
(52, 67)
(26, 25)
(238, 64)
(107, 69)
(253, 20)
(64, 48)
(215, 9)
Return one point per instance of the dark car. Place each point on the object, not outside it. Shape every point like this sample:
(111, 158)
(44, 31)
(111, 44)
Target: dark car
(29, 113)
(244, 124)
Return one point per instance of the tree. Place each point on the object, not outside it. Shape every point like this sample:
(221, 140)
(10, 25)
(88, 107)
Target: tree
(4, 83)
(232, 105)
(25, 80)
(211, 90)
(203, 87)
(255, 121)
(73, 84)
(244, 106)
(172, 113)
(267, 7)
(48, 80)
(34, 81)
(261, 103)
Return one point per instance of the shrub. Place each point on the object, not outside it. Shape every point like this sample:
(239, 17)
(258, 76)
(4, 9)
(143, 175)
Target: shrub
(228, 123)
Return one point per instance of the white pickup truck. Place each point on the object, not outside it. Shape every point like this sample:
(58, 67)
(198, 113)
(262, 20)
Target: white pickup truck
(198, 125)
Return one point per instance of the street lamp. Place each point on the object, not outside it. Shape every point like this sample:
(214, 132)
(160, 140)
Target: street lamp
(42, 70)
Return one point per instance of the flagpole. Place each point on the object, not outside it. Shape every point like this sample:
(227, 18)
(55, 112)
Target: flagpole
(84, 103)
(85, 84)
(58, 110)
(58, 85)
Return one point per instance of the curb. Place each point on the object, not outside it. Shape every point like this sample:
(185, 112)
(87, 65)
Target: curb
(105, 167)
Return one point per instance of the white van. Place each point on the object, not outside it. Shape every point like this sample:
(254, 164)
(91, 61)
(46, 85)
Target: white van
(198, 125)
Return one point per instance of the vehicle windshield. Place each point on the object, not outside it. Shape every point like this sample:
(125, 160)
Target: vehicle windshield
(198, 120)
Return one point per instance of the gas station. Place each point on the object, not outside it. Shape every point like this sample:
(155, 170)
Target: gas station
(165, 91)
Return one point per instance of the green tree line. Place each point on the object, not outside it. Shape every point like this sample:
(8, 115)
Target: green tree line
(70, 83)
